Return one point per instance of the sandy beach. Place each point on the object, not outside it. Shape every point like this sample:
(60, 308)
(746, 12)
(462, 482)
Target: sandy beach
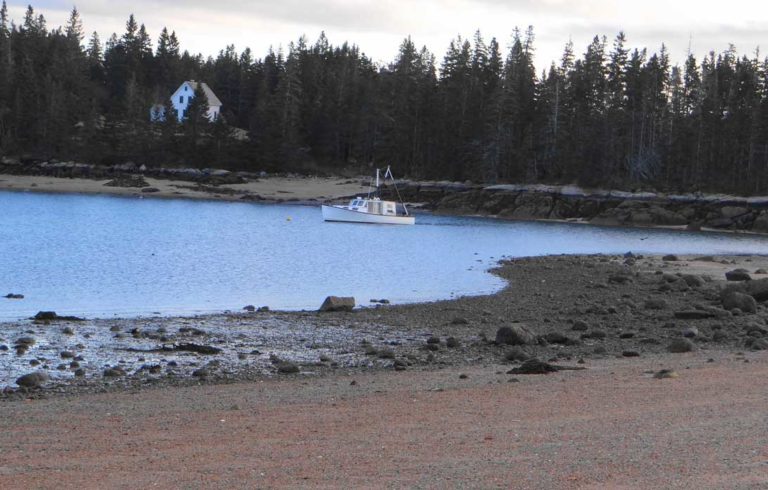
(610, 426)
(272, 189)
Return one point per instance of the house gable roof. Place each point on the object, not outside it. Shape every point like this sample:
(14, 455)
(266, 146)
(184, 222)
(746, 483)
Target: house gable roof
(213, 101)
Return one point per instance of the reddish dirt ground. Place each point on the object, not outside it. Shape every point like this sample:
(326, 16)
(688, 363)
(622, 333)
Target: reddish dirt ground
(610, 426)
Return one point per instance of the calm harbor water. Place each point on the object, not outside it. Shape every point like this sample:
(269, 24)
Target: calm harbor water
(100, 256)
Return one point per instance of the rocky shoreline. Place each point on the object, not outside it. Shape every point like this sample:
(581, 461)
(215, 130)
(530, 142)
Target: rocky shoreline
(562, 309)
(598, 207)
(692, 211)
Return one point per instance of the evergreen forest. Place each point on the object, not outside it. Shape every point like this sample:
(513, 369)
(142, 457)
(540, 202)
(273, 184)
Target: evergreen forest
(604, 115)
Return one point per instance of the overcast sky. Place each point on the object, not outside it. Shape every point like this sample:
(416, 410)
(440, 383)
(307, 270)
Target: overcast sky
(378, 26)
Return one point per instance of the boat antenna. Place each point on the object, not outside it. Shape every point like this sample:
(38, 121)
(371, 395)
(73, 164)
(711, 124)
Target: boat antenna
(370, 187)
(389, 172)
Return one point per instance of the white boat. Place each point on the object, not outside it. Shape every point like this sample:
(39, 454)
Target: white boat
(371, 209)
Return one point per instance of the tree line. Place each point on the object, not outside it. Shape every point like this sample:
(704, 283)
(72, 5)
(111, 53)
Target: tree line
(611, 117)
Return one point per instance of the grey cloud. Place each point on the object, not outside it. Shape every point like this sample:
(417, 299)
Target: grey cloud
(368, 16)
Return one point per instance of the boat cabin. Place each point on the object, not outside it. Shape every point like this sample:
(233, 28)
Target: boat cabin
(373, 206)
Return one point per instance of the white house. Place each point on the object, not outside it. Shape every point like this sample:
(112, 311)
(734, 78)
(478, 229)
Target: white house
(181, 99)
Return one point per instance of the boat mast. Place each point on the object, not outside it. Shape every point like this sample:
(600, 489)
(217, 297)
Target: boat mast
(394, 183)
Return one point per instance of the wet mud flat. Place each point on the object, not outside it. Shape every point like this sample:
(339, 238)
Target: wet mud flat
(104, 355)
(562, 309)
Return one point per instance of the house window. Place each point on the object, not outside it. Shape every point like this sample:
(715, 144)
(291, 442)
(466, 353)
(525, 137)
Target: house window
(181, 99)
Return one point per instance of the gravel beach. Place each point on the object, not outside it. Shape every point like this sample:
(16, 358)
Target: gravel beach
(662, 386)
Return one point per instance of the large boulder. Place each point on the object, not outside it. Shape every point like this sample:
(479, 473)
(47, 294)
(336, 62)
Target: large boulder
(662, 216)
(338, 303)
(761, 223)
(732, 212)
(758, 289)
(530, 206)
(738, 275)
(693, 281)
(32, 380)
(515, 335)
(735, 299)
(46, 315)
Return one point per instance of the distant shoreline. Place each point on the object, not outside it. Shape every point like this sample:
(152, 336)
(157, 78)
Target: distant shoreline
(438, 197)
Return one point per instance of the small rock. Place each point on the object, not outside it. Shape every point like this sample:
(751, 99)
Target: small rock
(25, 341)
(558, 338)
(693, 281)
(666, 374)
(201, 373)
(249, 308)
(694, 314)
(630, 353)
(452, 342)
(287, 367)
(619, 279)
(681, 345)
(516, 354)
(463, 376)
(515, 335)
(534, 366)
(459, 321)
(370, 350)
(68, 331)
(690, 332)
(114, 372)
(386, 354)
(67, 354)
(580, 326)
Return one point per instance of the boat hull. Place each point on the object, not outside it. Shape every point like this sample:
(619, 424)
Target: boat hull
(338, 213)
